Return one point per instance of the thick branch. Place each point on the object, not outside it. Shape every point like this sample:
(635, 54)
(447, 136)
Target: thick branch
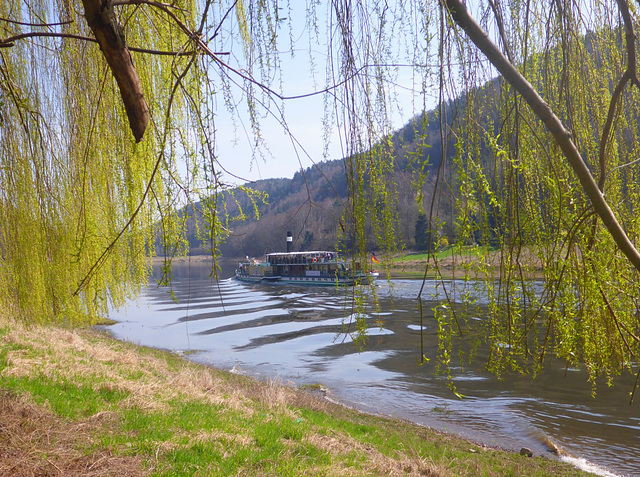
(10, 41)
(562, 137)
(103, 23)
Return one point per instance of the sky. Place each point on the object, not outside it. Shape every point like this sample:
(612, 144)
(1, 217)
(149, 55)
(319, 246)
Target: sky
(283, 156)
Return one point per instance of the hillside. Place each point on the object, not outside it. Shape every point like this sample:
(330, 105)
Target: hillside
(312, 202)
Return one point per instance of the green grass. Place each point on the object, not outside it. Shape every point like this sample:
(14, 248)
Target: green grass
(466, 251)
(67, 399)
(146, 412)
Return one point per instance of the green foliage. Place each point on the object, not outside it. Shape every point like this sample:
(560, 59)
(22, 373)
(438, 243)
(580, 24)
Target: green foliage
(514, 189)
(81, 203)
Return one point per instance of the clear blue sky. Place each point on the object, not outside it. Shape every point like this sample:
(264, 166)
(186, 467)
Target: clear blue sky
(281, 157)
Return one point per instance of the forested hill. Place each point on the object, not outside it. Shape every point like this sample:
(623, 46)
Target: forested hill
(311, 203)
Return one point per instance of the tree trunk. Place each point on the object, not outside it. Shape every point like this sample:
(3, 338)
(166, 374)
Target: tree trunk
(103, 23)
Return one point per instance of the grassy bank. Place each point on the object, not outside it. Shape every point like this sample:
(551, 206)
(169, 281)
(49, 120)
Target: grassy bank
(459, 262)
(450, 260)
(76, 402)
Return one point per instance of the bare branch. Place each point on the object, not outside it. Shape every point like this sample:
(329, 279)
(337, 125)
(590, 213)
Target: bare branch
(43, 25)
(8, 42)
(229, 10)
(146, 2)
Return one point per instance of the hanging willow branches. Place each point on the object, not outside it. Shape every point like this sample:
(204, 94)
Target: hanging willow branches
(535, 180)
(536, 108)
(82, 202)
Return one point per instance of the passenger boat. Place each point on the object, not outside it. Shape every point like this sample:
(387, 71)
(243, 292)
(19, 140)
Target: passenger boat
(300, 268)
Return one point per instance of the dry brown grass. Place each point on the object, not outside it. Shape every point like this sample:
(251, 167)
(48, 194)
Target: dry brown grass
(378, 463)
(34, 442)
(148, 379)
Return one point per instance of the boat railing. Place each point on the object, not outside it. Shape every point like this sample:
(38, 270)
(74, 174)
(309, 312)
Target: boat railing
(302, 258)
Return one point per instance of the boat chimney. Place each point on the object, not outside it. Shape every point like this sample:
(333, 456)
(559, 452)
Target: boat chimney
(289, 241)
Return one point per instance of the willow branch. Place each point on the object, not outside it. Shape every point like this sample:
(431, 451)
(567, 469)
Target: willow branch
(43, 25)
(105, 253)
(630, 74)
(103, 257)
(145, 2)
(215, 33)
(10, 41)
(608, 125)
(102, 21)
(562, 137)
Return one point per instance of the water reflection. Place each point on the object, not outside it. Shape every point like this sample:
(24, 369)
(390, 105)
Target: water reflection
(297, 334)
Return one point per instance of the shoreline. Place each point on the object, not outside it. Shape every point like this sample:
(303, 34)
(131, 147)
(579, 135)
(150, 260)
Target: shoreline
(56, 379)
(550, 450)
(448, 268)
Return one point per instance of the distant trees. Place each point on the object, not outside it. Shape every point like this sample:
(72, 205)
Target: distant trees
(423, 233)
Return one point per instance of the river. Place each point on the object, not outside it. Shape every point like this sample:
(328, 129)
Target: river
(295, 334)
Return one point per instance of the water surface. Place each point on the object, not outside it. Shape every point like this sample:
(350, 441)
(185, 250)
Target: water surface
(297, 334)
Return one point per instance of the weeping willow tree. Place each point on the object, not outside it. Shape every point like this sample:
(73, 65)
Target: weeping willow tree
(109, 120)
(108, 127)
(547, 168)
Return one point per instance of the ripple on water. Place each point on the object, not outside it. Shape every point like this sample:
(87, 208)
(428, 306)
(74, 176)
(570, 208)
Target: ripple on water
(299, 334)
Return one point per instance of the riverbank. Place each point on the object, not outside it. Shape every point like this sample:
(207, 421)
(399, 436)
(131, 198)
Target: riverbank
(450, 263)
(456, 262)
(77, 402)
